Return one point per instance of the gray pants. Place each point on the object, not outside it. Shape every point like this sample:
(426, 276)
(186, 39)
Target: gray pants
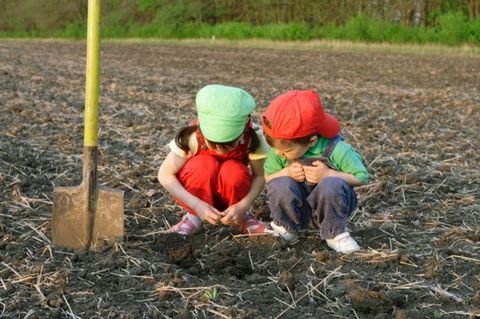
(326, 206)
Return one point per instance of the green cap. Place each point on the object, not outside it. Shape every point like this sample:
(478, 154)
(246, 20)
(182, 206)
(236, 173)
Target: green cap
(223, 112)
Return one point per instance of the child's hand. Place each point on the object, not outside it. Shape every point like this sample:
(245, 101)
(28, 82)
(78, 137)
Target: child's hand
(315, 173)
(233, 215)
(207, 213)
(295, 171)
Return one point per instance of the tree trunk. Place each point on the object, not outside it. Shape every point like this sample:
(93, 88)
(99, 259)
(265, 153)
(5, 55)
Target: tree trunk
(473, 9)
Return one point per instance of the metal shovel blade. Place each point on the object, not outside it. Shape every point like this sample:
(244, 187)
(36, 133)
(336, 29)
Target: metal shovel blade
(73, 225)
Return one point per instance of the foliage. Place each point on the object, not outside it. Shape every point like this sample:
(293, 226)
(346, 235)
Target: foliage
(474, 32)
(403, 21)
(145, 5)
(75, 30)
(453, 28)
(212, 294)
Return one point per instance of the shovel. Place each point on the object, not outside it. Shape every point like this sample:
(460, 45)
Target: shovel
(88, 216)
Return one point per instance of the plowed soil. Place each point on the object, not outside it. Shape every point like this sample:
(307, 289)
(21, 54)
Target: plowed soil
(415, 118)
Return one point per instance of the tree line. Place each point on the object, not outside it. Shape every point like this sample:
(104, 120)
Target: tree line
(304, 19)
(315, 12)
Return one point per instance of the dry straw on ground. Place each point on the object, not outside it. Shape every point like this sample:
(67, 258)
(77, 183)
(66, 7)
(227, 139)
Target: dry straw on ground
(414, 118)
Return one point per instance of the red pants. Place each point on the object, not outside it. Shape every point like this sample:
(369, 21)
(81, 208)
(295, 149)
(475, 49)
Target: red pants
(219, 184)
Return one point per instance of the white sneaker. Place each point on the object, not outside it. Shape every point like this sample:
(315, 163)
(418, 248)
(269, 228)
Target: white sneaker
(280, 231)
(343, 243)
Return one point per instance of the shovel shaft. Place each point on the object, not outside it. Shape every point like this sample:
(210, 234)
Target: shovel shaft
(92, 89)
(90, 157)
(92, 85)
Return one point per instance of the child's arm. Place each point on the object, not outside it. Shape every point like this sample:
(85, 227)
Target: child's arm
(348, 165)
(294, 170)
(235, 213)
(319, 170)
(167, 177)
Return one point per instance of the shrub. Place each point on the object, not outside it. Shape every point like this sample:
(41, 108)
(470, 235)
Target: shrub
(75, 30)
(452, 28)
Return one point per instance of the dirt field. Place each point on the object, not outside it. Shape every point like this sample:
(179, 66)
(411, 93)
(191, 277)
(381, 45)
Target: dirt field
(414, 118)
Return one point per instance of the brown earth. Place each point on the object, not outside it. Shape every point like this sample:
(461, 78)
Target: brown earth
(414, 117)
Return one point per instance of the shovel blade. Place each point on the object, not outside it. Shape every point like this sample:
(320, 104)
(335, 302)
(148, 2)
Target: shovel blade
(70, 218)
(108, 226)
(73, 226)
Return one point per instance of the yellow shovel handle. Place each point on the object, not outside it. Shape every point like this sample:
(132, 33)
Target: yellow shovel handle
(92, 86)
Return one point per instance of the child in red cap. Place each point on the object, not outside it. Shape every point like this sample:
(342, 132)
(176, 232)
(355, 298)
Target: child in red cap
(215, 166)
(310, 171)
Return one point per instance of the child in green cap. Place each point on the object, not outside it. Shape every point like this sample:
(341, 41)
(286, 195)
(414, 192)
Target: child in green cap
(214, 169)
(310, 171)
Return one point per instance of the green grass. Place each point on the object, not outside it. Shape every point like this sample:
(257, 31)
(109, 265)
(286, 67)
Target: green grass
(453, 29)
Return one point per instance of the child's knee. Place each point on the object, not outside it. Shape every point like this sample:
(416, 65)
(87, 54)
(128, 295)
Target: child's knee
(281, 184)
(335, 191)
(332, 186)
(234, 172)
(202, 166)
